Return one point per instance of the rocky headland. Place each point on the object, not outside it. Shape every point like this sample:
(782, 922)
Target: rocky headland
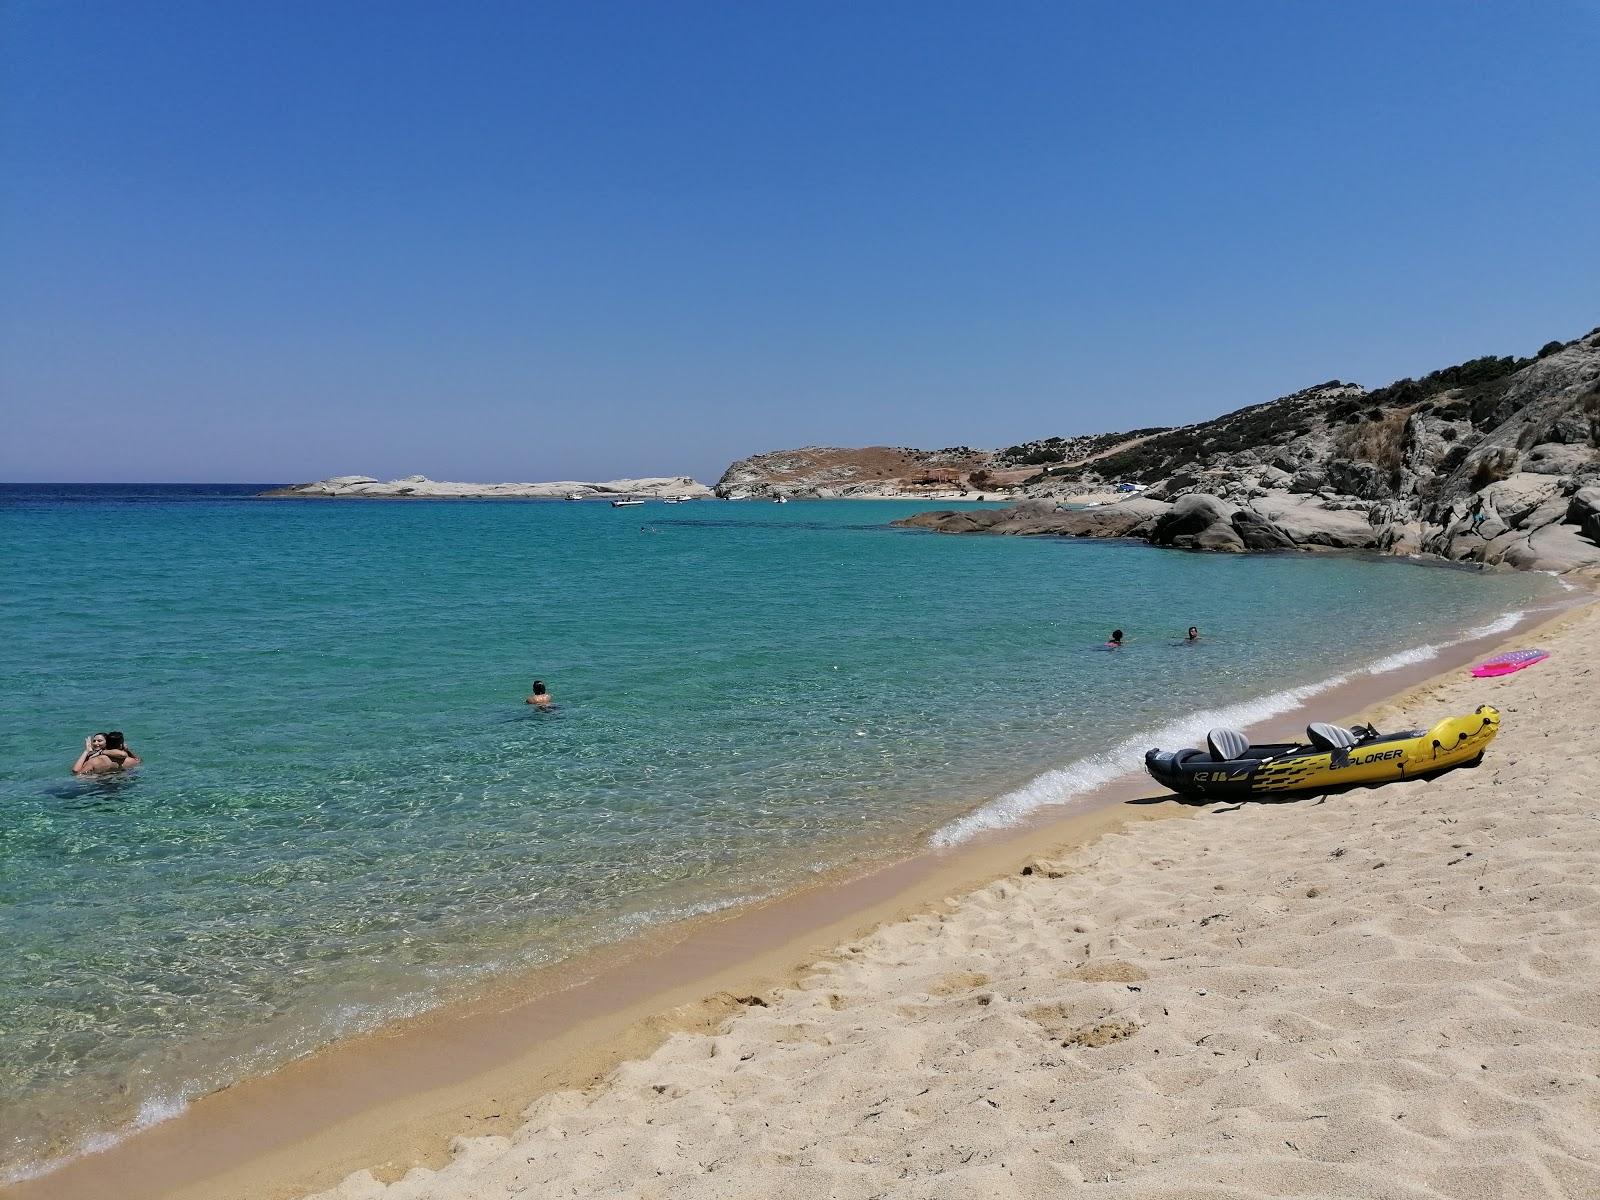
(420, 487)
(1495, 461)
(901, 473)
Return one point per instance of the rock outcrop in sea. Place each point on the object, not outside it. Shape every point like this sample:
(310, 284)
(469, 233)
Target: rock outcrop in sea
(418, 487)
(1494, 461)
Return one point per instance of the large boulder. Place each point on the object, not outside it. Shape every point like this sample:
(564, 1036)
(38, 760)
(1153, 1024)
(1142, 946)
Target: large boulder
(1515, 499)
(1309, 479)
(1429, 443)
(1583, 510)
(1399, 537)
(1357, 478)
(1558, 458)
(1258, 533)
(944, 520)
(1554, 548)
(1579, 425)
(1310, 524)
(1221, 537)
(1127, 518)
(1197, 522)
(1552, 512)
(1176, 484)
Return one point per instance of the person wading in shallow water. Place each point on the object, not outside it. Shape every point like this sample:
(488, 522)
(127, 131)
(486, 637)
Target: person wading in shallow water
(540, 697)
(104, 752)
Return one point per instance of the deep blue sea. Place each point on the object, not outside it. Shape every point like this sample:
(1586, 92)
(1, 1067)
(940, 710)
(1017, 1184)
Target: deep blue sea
(346, 812)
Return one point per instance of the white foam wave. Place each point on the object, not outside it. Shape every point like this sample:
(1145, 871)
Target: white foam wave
(1404, 658)
(1504, 623)
(1085, 774)
(1566, 585)
(152, 1112)
(634, 922)
(1067, 783)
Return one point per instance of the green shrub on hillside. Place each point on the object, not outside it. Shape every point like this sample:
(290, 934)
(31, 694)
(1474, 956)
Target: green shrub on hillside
(1367, 424)
(1474, 373)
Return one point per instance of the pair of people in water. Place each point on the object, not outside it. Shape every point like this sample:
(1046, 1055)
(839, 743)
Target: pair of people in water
(104, 753)
(1116, 638)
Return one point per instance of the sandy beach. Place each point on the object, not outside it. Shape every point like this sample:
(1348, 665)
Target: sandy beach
(1387, 992)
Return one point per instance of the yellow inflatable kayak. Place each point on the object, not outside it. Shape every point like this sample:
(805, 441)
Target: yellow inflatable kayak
(1332, 756)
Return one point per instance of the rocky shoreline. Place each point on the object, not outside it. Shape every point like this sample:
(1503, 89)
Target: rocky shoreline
(1563, 537)
(1495, 462)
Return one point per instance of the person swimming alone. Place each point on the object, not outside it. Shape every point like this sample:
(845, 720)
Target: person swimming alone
(1116, 640)
(105, 752)
(540, 697)
(1194, 634)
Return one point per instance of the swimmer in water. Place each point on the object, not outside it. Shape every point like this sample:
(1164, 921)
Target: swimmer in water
(1194, 634)
(540, 697)
(1116, 639)
(103, 753)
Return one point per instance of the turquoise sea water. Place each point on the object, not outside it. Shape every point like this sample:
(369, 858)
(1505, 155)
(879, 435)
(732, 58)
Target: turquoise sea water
(347, 813)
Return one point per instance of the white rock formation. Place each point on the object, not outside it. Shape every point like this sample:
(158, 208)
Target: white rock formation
(417, 487)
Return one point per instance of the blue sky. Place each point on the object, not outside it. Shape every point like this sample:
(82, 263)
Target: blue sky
(277, 241)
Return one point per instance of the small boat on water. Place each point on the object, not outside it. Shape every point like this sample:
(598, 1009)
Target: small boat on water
(630, 502)
(574, 496)
(780, 499)
(676, 499)
(1333, 756)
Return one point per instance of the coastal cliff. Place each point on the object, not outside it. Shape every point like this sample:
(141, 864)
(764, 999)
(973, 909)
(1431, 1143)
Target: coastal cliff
(1494, 461)
(420, 487)
(898, 472)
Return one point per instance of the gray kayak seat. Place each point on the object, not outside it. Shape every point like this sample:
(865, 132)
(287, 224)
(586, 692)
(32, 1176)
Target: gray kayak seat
(1226, 744)
(1330, 737)
(1172, 759)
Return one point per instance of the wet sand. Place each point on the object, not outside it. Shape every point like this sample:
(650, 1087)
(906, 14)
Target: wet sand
(398, 1100)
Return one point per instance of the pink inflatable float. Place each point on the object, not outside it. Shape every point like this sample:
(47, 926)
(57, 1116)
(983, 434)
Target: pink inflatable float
(1504, 664)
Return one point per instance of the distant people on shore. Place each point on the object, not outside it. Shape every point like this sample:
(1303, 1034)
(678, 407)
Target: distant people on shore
(540, 697)
(103, 753)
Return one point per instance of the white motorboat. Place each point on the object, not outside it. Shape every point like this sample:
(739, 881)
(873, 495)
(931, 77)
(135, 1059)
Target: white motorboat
(628, 503)
(574, 495)
(780, 499)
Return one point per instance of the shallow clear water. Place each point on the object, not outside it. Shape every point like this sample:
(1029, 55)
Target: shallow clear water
(347, 812)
